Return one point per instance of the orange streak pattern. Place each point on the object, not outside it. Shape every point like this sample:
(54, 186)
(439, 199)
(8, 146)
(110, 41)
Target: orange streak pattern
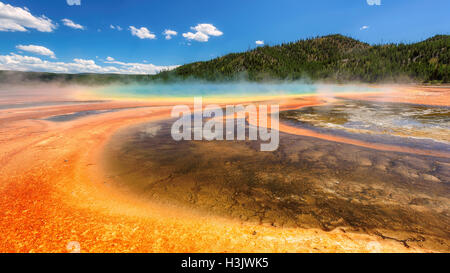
(52, 192)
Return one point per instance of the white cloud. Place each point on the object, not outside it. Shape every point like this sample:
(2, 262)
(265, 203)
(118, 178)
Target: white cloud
(84, 62)
(373, 2)
(27, 63)
(142, 33)
(198, 36)
(259, 42)
(119, 28)
(169, 33)
(40, 50)
(208, 29)
(363, 27)
(20, 19)
(202, 32)
(140, 68)
(74, 2)
(110, 59)
(71, 24)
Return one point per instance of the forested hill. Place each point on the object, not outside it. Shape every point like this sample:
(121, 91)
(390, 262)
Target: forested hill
(332, 58)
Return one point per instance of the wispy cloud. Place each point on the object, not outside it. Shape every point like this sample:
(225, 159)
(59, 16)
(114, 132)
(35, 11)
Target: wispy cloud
(259, 42)
(74, 2)
(20, 19)
(72, 24)
(141, 68)
(202, 33)
(119, 28)
(373, 2)
(40, 50)
(364, 28)
(28, 63)
(142, 33)
(169, 33)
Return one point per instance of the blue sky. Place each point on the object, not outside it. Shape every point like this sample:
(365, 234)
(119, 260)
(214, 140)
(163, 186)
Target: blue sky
(51, 35)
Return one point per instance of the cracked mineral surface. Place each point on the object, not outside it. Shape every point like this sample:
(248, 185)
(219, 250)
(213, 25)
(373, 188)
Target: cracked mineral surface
(306, 183)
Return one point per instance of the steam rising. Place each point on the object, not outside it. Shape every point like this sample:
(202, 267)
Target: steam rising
(225, 90)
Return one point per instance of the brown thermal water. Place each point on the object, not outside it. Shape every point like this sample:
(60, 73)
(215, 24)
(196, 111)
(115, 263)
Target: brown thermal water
(307, 182)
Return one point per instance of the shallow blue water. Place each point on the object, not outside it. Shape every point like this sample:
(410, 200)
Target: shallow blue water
(237, 89)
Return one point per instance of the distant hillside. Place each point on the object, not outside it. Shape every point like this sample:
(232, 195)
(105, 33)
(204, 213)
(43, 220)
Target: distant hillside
(334, 58)
(84, 79)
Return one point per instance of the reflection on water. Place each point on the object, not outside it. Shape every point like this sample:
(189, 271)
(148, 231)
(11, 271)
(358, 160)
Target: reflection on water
(307, 182)
(405, 120)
